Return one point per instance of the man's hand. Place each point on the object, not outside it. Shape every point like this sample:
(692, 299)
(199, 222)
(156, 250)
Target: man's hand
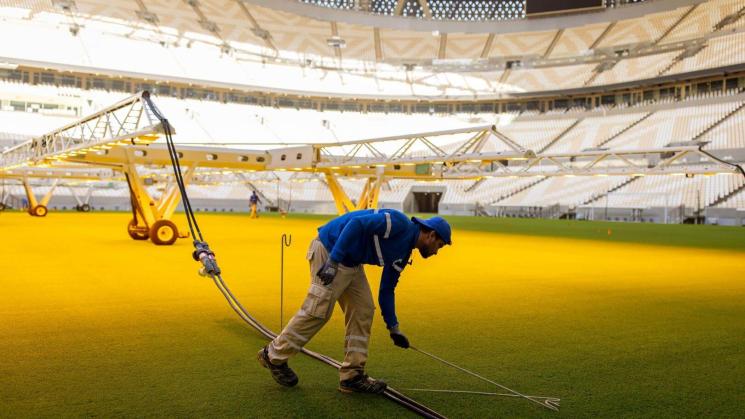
(399, 339)
(328, 272)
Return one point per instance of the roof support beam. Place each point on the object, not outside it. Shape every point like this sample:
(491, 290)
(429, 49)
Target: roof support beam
(487, 46)
(206, 24)
(555, 41)
(399, 8)
(257, 30)
(603, 35)
(425, 9)
(146, 14)
(443, 46)
(335, 34)
(378, 46)
(505, 75)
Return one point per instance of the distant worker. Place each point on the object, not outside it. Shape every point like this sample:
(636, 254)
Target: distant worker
(373, 237)
(254, 202)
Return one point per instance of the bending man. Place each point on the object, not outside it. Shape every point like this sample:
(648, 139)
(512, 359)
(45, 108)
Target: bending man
(374, 237)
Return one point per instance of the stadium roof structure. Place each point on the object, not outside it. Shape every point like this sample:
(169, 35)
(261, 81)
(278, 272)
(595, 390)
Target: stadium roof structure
(281, 28)
(287, 47)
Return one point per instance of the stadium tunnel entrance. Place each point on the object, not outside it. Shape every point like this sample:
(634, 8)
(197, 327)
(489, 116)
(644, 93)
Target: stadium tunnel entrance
(424, 199)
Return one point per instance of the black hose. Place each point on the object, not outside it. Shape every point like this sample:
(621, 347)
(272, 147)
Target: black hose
(736, 166)
(236, 305)
(135, 206)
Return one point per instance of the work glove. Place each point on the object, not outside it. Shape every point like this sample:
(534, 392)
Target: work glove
(399, 339)
(328, 272)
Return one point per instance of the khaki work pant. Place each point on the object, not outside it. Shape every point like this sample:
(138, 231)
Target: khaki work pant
(254, 212)
(351, 290)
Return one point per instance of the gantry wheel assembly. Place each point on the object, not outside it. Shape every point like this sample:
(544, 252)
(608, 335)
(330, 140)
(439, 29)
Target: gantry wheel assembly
(38, 208)
(136, 232)
(38, 211)
(163, 232)
(151, 217)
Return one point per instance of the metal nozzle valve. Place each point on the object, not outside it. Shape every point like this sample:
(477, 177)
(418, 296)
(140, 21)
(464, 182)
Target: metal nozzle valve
(203, 254)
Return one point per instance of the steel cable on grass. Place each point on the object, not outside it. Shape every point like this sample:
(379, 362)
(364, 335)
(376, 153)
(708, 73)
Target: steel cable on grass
(390, 393)
(233, 302)
(547, 402)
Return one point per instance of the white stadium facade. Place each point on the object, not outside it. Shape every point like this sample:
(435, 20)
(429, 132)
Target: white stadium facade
(626, 111)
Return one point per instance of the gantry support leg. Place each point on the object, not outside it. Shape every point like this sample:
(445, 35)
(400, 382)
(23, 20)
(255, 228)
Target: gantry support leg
(342, 201)
(77, 198)
(362, 201)
(151, 219)
(3, 199)
(83, 204)
(4, 196)
(87, 201)
(170, 199)
(368, 198)
(30, 197)
(38, 208)
(371, 193)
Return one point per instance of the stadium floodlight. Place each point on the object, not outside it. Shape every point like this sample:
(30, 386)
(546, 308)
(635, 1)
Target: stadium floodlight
(336, 42)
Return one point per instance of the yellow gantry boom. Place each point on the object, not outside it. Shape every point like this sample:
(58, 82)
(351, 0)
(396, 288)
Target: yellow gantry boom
(125, 123)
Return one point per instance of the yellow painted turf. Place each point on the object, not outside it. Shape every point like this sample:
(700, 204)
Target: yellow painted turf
(95, 324)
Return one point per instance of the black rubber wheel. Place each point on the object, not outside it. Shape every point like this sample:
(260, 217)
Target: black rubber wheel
(163, 232)
(39, 211)
(85, 208)
(137, 233)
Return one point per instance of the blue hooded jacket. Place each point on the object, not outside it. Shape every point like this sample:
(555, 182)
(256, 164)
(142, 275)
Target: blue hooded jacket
(383, 237)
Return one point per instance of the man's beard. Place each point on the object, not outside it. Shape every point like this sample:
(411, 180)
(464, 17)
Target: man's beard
(425, 254)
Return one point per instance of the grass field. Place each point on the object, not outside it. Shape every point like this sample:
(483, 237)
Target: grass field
(619, 320)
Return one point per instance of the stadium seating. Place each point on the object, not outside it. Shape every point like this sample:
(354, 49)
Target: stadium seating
(535, 134)
(704, 18)
(485, 192)
(593, 131)
(644, 67)
(737, 201)
(729, 134)
(721, 51)
(676, 191)
(549, 78)
(671, 125)
(565, 191)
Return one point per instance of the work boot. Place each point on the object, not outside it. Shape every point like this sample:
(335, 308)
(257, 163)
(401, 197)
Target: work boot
(362, 384)
(281, 373)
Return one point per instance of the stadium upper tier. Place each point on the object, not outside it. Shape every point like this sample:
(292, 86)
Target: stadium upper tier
(234, 44)
(719, 121)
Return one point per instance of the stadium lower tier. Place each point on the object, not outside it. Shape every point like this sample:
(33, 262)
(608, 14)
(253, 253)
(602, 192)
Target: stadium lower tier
(716, 199)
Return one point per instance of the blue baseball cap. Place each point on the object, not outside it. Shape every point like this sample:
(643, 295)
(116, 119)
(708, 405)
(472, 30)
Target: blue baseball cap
(438, 224)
